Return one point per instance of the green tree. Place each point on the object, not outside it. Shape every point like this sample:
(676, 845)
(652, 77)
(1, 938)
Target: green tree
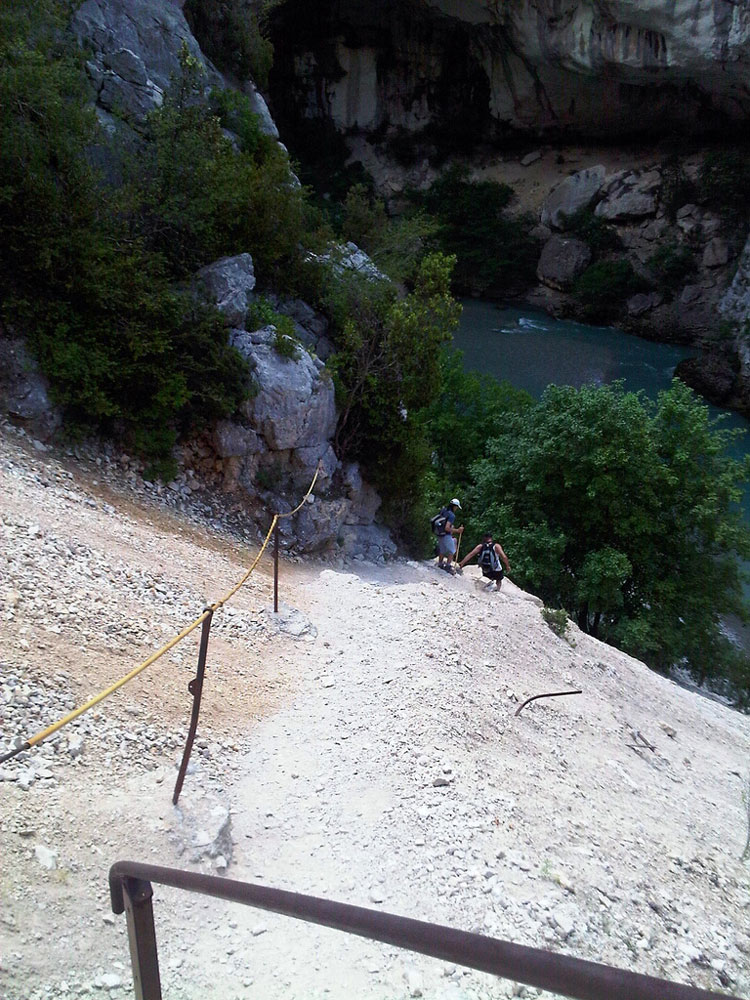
(625, 513)
(491, 248)
(468, 410)
(396, 246)
(604, 286)
(234, 34)
(195, 197)
(123, 350)
(386, 369)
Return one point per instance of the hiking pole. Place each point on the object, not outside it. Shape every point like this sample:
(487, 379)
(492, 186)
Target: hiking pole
(458, 549)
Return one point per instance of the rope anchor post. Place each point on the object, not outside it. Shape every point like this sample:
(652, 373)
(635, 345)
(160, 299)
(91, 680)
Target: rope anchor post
(195, 687)
(276, 568)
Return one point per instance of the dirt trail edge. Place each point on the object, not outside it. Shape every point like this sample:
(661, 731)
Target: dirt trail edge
(362, 746)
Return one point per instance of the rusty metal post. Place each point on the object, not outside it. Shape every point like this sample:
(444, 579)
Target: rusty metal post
(276, 569)
(195, 687)
(144, 958)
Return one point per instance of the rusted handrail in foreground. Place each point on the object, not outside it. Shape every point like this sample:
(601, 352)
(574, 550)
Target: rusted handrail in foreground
(130, 889)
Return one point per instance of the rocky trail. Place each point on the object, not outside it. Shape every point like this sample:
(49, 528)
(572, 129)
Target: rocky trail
(362, 746)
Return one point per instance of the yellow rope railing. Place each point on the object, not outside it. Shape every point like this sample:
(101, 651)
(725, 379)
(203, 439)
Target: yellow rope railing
(45, 733)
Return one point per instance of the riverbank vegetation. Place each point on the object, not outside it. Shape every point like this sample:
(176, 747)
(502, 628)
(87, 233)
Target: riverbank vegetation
(620, 512)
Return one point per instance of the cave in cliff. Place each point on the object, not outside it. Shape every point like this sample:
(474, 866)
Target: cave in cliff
(431, 77)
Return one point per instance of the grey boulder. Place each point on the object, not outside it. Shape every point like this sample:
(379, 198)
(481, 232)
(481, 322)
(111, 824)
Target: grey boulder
(563, 259)
(24, 391)
(295, 404)
(630, 194)
(231, 440)
(229, 283)
(574, 193)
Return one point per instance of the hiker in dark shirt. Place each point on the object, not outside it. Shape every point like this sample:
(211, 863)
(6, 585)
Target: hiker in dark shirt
(490, 556)
(446, 531)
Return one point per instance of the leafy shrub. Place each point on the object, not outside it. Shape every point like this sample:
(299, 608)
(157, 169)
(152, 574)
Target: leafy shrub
(386, 370)
(285, 343)
(261, 313)
(597, 233)
(604, 286)
(724, 181)
(194, 198)
(396, 246)
(80, 272)
(557, 620)
(235, 114)
(671, 264)
(233, 34)
(492, 250)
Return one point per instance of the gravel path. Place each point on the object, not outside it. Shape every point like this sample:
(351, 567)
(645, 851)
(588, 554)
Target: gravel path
(364, 747)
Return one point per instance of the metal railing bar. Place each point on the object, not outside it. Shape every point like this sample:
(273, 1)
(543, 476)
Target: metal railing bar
(571, 977)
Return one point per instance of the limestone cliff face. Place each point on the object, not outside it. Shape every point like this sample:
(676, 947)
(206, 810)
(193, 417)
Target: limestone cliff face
(552, 67)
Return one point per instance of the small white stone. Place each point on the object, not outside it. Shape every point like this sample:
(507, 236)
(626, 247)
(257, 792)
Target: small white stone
(414, 982)
(46, 857)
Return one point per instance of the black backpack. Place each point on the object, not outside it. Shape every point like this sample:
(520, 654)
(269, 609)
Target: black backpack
(439, 521)
(488, 559)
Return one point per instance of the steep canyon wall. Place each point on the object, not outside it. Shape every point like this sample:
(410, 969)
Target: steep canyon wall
(539, 67)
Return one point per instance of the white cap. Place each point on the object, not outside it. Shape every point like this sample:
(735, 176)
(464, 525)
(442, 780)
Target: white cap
(456, 503)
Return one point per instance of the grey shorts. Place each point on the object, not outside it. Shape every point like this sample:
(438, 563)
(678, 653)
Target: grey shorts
(446, 545)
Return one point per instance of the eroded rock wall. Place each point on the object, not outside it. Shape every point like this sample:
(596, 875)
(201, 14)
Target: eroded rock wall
(496, 69)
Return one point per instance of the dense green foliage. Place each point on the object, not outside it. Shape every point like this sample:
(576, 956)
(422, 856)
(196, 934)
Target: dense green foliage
(625, 514)
(493, 250)
(670, 265)
(724, 181)
(598, 234)
(122, 349)
(233, 34)
(395, 245)
(604, 286)
(197, 198)
(89, 270)
(386, 369)
(468, 410)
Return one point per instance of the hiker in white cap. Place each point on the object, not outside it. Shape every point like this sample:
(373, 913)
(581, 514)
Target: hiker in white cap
(443, 525)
